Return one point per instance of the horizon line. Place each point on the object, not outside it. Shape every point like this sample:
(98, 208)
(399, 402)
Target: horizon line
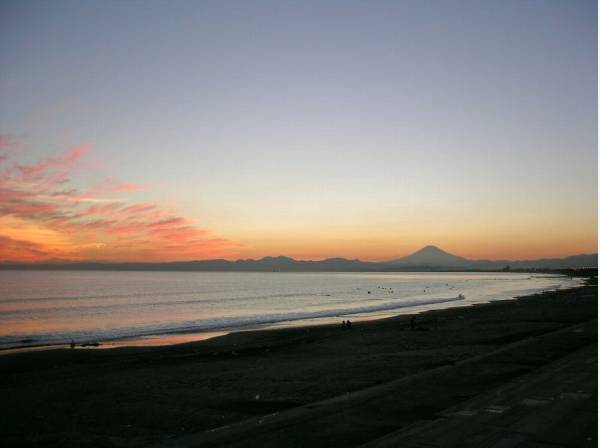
(231, 260)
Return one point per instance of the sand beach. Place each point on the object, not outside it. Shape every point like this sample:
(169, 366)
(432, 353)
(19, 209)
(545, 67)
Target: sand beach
(320, 386)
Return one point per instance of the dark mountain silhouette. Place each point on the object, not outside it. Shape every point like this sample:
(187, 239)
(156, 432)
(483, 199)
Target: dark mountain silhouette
(429, 258)
(434, 258)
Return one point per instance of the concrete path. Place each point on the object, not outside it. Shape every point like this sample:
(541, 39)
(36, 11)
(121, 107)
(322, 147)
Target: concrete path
(555, 406)
(530, 393)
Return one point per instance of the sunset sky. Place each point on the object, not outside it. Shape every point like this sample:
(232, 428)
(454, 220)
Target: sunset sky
(160, 131)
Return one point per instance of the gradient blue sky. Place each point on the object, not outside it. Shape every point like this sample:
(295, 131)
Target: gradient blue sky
(316, 129)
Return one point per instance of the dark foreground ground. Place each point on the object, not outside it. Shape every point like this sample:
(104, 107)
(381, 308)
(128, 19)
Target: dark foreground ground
(515, 373)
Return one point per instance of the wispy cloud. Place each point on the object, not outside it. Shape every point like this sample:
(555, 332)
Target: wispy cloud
(60, 165)
(6, 142)
(110, 185)
(43, 216)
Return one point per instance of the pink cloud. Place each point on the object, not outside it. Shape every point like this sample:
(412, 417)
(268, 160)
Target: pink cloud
(93, 226)
(168, 223)
(110, 185)
(7, 145)
(62, 162)
(104, 209)
(6, 142)
(139, 209)
(128, 188)
(28, 209)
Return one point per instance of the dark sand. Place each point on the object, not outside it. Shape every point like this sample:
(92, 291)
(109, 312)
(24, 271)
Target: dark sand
(396, 377)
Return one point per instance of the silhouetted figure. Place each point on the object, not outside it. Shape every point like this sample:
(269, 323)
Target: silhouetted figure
(343, 324)
(348, 324)
(72, 344)
(412, 322)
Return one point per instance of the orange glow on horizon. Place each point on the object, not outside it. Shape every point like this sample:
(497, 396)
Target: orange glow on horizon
(381, 251)
(43, 219)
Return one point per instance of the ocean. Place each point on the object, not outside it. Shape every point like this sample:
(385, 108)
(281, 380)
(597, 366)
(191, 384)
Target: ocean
(155, 308)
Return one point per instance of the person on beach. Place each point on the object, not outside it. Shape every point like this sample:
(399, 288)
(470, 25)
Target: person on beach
(348, 324)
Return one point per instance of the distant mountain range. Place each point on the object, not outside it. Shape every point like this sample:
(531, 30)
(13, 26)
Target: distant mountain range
(429, 258)
(434, 258)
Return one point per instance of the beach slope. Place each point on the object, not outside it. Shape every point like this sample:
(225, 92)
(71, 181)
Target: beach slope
(381, 383)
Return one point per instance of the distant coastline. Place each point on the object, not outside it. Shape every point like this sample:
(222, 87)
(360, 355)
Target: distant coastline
(428, 259)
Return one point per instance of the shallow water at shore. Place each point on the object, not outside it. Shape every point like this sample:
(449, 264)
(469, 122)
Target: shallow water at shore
(157, 308)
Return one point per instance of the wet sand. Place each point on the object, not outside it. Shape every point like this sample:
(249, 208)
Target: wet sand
(173, 395)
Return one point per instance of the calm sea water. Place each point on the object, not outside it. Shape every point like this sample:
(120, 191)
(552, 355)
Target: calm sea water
(55, 307)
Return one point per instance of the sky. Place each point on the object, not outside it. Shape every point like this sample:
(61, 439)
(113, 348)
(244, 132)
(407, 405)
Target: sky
(179, 130)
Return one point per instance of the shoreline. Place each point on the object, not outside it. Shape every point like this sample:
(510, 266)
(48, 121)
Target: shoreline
(139, 396)
(183, 337)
